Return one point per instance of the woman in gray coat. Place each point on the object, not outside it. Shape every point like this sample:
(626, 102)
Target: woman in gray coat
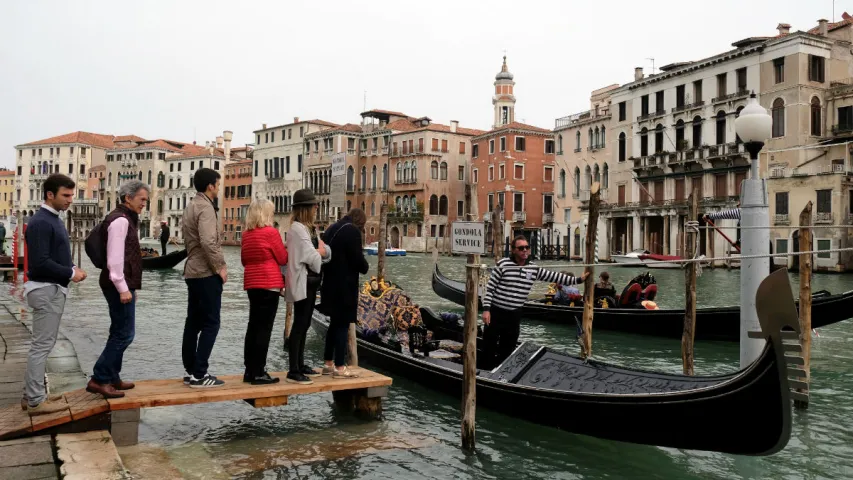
(306, 252)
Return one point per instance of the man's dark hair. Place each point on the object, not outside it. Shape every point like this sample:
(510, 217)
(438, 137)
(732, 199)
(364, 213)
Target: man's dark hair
(358, 217)
(605, 276)
(204, 177)
(54, 183)
(519, 238)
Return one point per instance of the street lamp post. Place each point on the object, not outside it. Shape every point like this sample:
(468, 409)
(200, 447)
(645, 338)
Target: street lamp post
(753, 126)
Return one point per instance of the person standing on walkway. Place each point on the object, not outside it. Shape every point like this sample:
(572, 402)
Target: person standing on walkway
(307, 254)
(2, 239)
(205, 273)
(164, 235)
(340, 288)
(50, 271)
(506, 292)
(262, 253)
(119, 283)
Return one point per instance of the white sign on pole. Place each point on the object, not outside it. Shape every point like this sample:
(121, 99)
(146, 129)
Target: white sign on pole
(468, 238)
(338, 181)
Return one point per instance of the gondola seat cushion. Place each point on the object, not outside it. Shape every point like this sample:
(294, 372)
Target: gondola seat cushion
(372, 314)
(394, 297)
(451, 346)
(405, 317)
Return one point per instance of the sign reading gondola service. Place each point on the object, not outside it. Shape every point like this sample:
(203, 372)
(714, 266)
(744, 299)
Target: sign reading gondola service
(468, 237)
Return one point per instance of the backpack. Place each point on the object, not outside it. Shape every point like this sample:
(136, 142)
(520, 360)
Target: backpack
(96, 246)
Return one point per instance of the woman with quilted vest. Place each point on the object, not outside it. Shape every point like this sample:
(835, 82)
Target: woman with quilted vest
(262, 253)
(307, 254)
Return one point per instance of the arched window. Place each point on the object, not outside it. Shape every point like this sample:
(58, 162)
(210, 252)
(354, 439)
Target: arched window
(605, 176)
(697, 131)
(149, 177)
(140, 175)
(622, 147)
(721, 127)
(406, 172)
(110, 183)
(171, 184)
(372, 208)
(414, 171)
(597, 138)
(603, 138)
(414, 203)
(577, 181)
(349, 205)
(815, 117)
(644, 142)
(778, 114)
(433, 205)
(737, 114)
(442, 205)
(161, 180)
(680, 143)
(596, 174)
(587, 178)
(578, 140)
(362, 207)
(363, 183)
(373, 178)
(399, 203)
(385, 177)
(433, 170)
(658, 138)
(559, 144)
(399, 172)
(108, 207)
(442, 171)
(350, 178)
(405, 203)
(591, 144)
(562, 183)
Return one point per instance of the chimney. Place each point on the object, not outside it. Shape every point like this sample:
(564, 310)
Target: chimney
(227, 135)
(454, 124)
(263, 126)
(784, 28)
(219, 142)
(207, 144)
(211, 146)
(638, 73)
(295, 119)
(823, 27)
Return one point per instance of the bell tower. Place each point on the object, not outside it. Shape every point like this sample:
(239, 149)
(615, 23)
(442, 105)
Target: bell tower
(504, 99)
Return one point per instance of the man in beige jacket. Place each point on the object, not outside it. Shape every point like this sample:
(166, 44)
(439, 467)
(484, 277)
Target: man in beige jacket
(205, 273)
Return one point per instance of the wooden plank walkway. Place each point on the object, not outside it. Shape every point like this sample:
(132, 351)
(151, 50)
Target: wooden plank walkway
(15, 422)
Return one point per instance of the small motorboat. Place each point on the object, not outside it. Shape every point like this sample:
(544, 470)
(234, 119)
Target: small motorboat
(630, 259)
(373, 249)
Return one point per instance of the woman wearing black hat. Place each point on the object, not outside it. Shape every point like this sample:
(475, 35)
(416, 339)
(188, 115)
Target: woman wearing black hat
(340, 288)
(306, 254)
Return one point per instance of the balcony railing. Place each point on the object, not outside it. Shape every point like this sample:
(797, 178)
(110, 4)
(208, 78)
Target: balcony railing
(781, 219)
(547, 218)
(823, 217)
(350, 151)
(487, 217)
(731, 96)
(842, 129)
(519, 216)
(651, 115)
(584, 196)
(688, 106)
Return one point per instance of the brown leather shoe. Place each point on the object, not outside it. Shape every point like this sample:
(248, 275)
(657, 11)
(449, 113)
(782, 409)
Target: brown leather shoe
(122, 385)
(107, 390)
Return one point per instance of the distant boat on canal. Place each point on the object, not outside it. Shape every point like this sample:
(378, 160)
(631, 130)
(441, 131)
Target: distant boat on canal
(373, 249)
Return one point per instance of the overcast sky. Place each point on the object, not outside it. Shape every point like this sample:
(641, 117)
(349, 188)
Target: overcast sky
(186, 70)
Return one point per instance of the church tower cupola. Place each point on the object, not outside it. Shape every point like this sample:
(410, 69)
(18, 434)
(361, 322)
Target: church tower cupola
(504, 99)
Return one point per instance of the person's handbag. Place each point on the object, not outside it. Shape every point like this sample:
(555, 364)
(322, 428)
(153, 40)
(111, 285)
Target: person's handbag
(313, 280)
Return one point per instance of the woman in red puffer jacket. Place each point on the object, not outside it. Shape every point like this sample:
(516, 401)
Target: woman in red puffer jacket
(262, 253)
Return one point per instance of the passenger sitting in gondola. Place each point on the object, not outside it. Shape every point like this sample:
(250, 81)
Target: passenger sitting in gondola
(567, 294)
(640, 288)
(604, 293)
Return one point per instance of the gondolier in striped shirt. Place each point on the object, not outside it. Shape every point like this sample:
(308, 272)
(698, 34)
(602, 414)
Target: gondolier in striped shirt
(506, 293)
(734, 214)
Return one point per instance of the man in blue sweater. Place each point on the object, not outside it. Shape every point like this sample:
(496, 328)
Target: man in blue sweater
(50, 272)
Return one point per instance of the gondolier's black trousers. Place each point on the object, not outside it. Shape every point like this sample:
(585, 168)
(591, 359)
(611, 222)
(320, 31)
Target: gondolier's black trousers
(500, 336)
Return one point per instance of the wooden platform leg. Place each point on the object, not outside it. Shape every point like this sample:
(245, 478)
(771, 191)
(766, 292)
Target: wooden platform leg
(364, 402)
(124, 427)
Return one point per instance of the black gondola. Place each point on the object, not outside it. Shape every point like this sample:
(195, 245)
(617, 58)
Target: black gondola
(713, 323)
(165, 261)
(747, 412)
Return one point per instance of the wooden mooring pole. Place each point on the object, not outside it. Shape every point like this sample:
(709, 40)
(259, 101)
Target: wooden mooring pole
(589, 283)
(383, 227)
(805, 300)
(689, 249)
(497, 232)
(469, 364)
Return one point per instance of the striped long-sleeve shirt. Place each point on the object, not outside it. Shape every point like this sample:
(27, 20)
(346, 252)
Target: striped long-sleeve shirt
(730, 214)
(508, 288)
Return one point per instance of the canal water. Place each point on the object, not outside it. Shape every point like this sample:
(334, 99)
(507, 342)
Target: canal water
(419, 437)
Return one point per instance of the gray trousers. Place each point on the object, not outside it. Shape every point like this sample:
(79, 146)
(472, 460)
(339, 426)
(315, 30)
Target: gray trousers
(48, 304)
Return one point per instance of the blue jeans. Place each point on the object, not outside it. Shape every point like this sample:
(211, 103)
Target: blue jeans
(202, 324)
(122, 330)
